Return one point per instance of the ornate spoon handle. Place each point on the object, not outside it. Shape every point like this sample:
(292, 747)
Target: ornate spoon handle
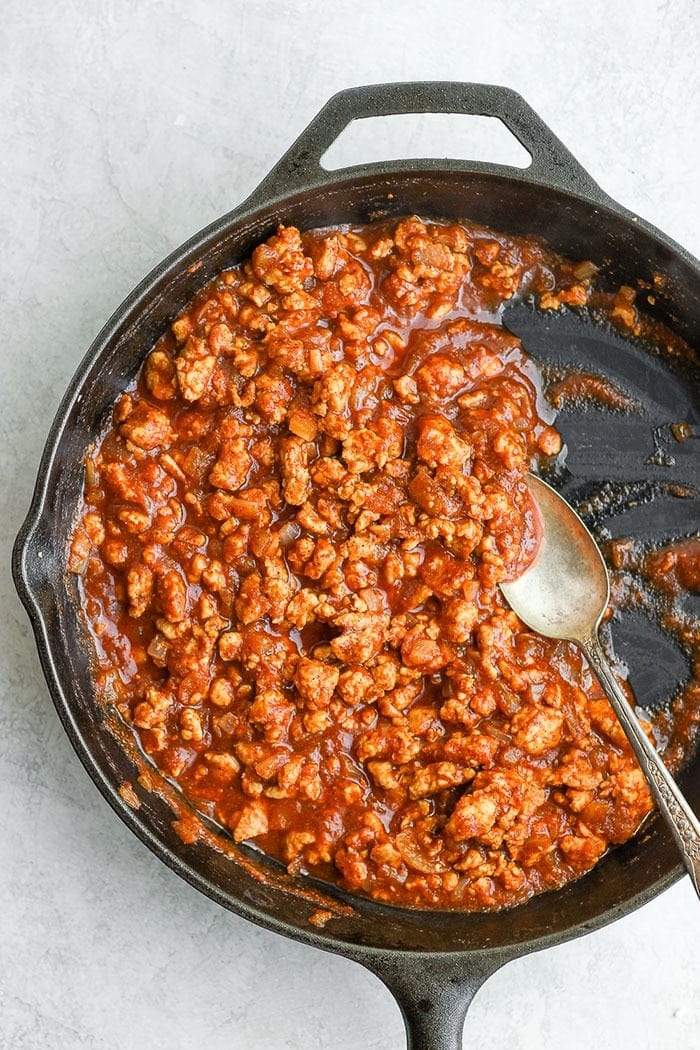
(674, 807)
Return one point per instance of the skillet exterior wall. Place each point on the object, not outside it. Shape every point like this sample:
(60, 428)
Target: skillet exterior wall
(91, 902)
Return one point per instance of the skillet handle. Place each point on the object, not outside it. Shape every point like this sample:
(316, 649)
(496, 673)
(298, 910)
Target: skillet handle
(434, 994)
(552, 164)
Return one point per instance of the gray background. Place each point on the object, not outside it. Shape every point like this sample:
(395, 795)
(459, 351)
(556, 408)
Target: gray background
(125, 128)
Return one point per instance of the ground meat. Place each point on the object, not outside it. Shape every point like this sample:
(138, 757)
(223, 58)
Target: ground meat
(290, 548)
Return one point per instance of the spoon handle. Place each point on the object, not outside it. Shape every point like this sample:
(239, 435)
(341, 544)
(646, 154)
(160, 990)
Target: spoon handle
(673, 806)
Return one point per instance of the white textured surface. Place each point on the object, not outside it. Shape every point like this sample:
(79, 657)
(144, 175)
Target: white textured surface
(126, 127)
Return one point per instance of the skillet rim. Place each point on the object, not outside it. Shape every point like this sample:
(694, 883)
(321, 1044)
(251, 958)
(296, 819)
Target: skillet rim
(30, 593)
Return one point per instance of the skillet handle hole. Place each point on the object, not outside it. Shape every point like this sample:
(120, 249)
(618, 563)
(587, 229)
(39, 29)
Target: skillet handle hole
(409, 136)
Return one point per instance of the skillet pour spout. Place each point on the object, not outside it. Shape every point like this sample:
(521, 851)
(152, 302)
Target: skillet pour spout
(432, 961)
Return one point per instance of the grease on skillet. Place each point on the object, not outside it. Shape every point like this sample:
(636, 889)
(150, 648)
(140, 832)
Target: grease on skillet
(289, 552)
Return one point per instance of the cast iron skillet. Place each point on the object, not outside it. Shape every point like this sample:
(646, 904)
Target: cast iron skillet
(433, 962)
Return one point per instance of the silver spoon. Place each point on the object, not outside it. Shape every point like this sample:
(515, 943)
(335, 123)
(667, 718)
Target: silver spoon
(563, 594)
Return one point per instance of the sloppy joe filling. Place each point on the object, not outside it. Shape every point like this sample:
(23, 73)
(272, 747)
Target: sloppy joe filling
(290, 547)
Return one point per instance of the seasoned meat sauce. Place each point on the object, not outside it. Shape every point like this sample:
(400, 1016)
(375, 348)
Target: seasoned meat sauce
(290, 547)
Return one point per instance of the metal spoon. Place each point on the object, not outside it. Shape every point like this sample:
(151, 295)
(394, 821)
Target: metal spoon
(563, 594)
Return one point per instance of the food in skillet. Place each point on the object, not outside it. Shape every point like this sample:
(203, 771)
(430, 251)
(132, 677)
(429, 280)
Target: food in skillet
(290, 547)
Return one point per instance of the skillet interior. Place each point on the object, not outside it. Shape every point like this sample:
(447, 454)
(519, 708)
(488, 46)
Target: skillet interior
(602, 448)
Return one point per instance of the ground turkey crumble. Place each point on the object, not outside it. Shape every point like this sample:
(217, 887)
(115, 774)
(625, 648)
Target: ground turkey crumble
(290, 548)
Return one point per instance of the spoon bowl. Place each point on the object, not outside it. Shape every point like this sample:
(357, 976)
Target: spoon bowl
(563, 593)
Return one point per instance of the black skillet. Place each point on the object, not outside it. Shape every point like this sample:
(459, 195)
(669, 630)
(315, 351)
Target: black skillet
(433, 962)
